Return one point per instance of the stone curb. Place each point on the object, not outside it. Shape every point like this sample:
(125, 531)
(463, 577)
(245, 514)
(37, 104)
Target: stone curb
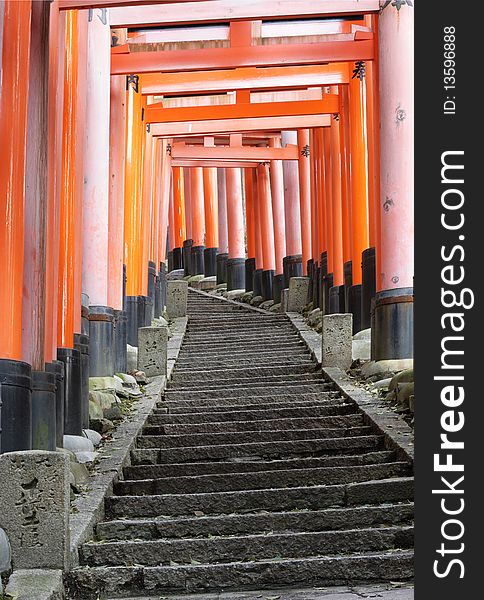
(398, 434)
(88, 509)
(36, 584)
(240, 305)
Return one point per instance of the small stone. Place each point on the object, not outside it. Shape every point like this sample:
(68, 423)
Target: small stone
(128, 380)
(86, 457)
(314, 317)
(78, 443)
(132, 362)
(140, 376)
(235, 294)
(381, 384)
(101, 425)
(209, 283)
(405, 376)
(361, 349)
(80, 475)
(257, 301)
(275, 308)
(113, 413)
(247, 297)
(95, 411)
(5, 553)
(385, 368)
(364, 334)
(103, 399)
(267, 304)
(93, 436)
(175, 275)
(404, 391)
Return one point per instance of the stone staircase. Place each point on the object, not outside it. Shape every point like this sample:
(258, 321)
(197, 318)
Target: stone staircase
(252, 473)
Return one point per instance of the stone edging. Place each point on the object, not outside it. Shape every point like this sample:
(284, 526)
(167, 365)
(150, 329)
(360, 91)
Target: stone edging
(88, 509)
(398, 434)
(240, 305)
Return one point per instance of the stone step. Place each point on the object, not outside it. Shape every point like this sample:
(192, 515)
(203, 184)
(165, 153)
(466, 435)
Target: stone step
(220, 549)
(88, 583)
(265, 383)
(262, 449)
(243, 438)
(267, 425)
(222, 347)
(234, 354)
(286, 390)
(205, 370)
(228, 482)
(238, 374)
(262, 411)
(314, 497)
(263, 522)
(229, 362)
(214, 404)
(242, 466)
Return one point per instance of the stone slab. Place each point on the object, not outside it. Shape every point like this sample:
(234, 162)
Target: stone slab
(337, 338)
(5, 553)
(36, 584)
(34, 508)
(176, 298)
(298, 294)
(152, 350)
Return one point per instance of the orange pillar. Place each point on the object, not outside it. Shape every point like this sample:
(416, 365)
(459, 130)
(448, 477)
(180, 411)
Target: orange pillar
(13, 101)
(35, 266)
(155, 206)
(198, 220)
(235, 226)
(293, 258)
(336, 186)
(305, 196)
(250, 263)
(223, 234)
(314, 198)
(210, 194)
(259, 257)
(345, 178)
(179, 223)
(267, 230)
(277, 195)
(165, 190)
(148, 268)
(16, 401)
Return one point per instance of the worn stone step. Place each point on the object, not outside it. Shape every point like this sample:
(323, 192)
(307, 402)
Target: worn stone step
(223, 347)
(264, 449)
(260, 480)
(273, 410)
(243, 390)
(222, 549)
(230, 362)
(242, 466)
(268, 425)
(196, 440)
(275, 352)
(239, 524)
(87, 583)
(214, 404)
(303, 498)
(265, 383)
(291, 367)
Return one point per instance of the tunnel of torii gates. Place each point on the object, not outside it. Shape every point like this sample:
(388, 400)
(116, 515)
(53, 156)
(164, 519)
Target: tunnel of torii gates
(249, 140)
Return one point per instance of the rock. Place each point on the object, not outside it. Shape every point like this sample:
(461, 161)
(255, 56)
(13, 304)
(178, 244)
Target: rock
(175, 275)
(267, 304)
(86, 457)
(93, 436)
(404, 391)
(70, 455)
(314, 317)
(176, 299)
(113, 413)
(275, 308)
(101, 425)
(5, 553)
(405, 376)
(257, 301)
(103, 399)
(284, 300)
(120, 388)
(159, 322)
(235, 294)
(381, 384)
(411, 404)
(95, 411)
(361, 349)
(385, 368)
(128, 380)
(80, 475)
(337, 340)
(364, 334)
(78, 443)
(298, 294)
(140, 376)
(34, 508)
(247, 297)
(209, 283)
(132, 363)
(101, 383)
(221, 286)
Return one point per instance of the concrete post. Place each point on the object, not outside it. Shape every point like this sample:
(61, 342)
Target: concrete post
(298, 294)
(152, 350)
(176, 298)
(337, 339)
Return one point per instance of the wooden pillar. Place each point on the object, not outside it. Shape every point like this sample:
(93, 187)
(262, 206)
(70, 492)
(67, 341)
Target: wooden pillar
(314, 197)
(336, 186)
(179, 223)
(235, 224)
(223, 236)
(198, 220)
(210, 194)
(305, 196)
(166, 176)
(267, 230)
(277, 196)
(13, 101)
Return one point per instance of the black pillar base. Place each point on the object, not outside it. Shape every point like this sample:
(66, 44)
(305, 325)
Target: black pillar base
(170, 261)
(354, 306)
(72, 382)
(257, 283)
(309, 268)
(266, 285)
(152, 285)
(101, 341)
(327, 284)
(222, 267)
(16, 406)
(393, 329)
(316, 287)
(210, 262)
(43, 411)
(235, 274)
(323, 271)
(177, 259)
(249, 274)
(139, 315)
(348, 275)
(57, 367)
(81, 343)
(292, 267)
(85, 314)
(277, 287)
(198, 266)
(162, 284)
(125, 281)
(368, 288)
(120, 350)
(337, 300)
(187, 257)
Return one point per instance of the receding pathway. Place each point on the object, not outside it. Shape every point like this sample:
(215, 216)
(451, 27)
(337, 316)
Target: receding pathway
(252, 473)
